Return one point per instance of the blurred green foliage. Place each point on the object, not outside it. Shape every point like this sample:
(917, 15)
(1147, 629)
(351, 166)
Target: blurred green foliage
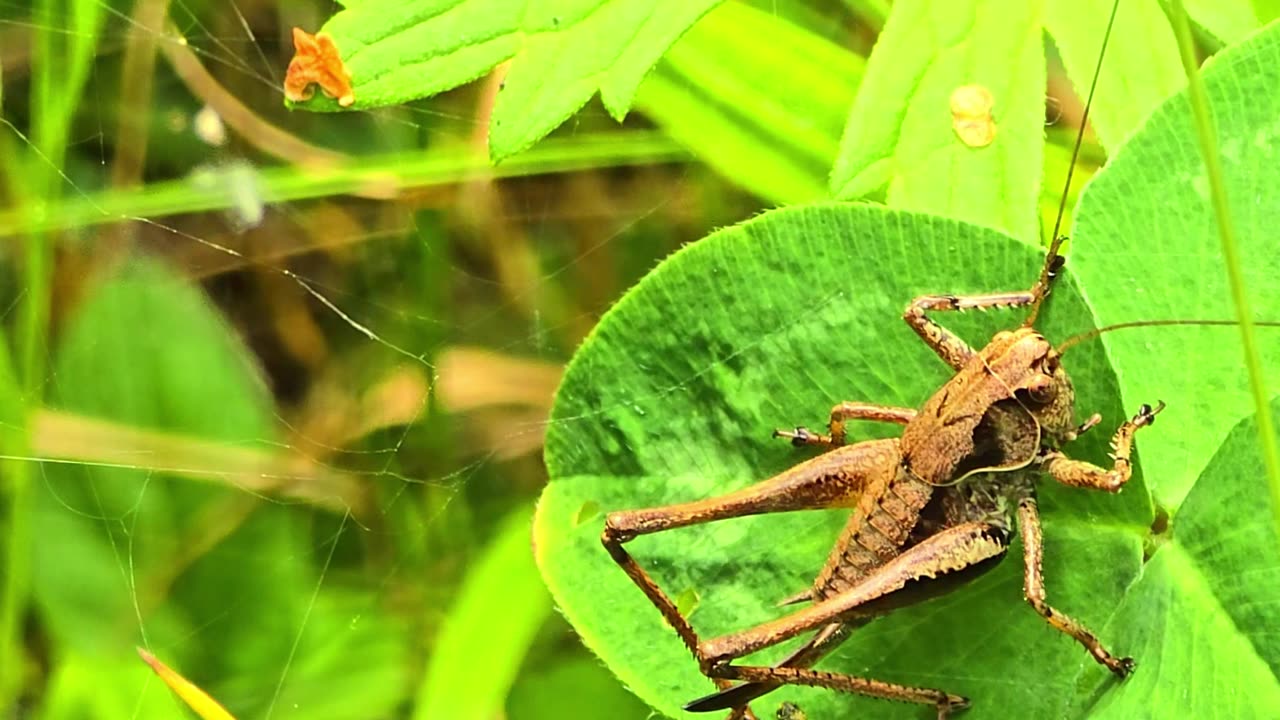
(274, 384)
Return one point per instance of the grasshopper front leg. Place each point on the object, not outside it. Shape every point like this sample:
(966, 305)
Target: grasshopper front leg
(956, 352)
(1078, 473)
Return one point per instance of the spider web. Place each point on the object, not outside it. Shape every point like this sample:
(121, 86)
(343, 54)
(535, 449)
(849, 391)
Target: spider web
(282, 418)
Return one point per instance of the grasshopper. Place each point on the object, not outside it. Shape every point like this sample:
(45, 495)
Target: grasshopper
(930, 510)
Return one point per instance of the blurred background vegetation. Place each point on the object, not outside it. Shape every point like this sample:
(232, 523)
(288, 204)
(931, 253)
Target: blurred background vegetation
(274, 384)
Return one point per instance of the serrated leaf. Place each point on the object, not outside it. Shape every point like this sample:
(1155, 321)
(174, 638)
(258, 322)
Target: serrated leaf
(1139, 71)
(767, 116)
(766, 325)
(563, 52)
(1147, 240)
(900, 139)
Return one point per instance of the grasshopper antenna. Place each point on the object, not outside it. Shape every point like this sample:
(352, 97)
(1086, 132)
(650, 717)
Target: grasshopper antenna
(1091, 334)
(1053, 261)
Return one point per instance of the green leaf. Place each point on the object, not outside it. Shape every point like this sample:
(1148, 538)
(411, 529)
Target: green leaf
(486, 636)
(1266, 10)
(595, 693)
(1207, 607)
(766, 325)
(900, 139)
(563, 52)
(146, 349)
(1141, 67)
(766, 115)
(1146, 238)
(113, 686)
(140, 552)
(1228, 20)
(350, 661)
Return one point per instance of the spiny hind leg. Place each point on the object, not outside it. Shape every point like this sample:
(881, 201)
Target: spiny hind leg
(938, 563)
(945, 702)
(828, 480)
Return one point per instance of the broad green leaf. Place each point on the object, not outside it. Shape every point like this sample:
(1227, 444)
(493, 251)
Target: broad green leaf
(1140, 68)
(766, 325)
(146, 349)
(485, 636)
(1228, 20)
(1266, 10)
(350, 661)
(563, 52)
(766, 115)
(1204, 616)
(673, 396)
(595, 693)
(900, 139)
(1146, 247)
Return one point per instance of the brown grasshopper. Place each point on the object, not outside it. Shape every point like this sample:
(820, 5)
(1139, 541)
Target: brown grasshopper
(929, 510)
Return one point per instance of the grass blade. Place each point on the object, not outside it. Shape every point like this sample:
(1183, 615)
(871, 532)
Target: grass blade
(1230, 251)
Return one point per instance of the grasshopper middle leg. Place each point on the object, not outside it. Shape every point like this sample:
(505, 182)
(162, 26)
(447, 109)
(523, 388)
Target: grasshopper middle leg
(842, 413)
(1033, 590)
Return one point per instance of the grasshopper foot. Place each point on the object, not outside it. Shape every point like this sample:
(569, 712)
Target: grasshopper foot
(1147, 414)
(802, 437)
(953, 703)
(1122, 667)
(1089, 424)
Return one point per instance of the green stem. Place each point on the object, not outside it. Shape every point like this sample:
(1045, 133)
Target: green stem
(53, 101)
(1230, 251)
(401, 172)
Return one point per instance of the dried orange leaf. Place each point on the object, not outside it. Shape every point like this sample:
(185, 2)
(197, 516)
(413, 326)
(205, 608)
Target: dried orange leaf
(316, 61)
(195, 698)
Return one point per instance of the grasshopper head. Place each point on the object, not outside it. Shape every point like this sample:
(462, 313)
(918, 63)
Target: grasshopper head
(1047, 392)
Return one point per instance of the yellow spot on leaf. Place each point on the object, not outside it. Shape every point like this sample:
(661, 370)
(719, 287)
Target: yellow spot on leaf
(971, 115)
